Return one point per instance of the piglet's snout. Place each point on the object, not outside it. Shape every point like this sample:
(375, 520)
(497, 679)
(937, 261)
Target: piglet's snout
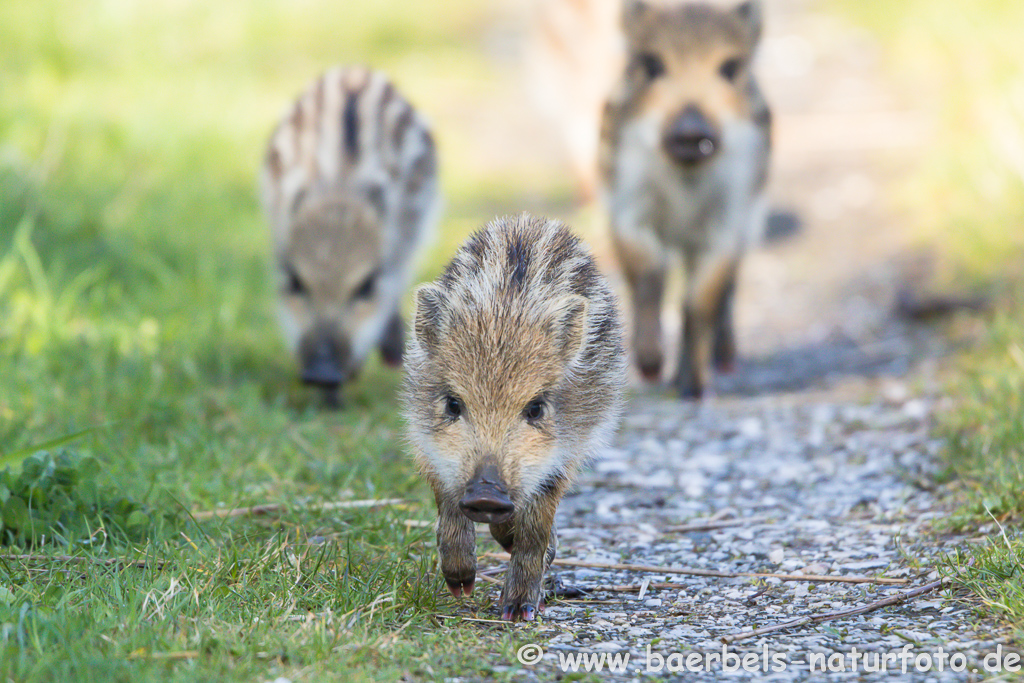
(692, 137)
(486, 498)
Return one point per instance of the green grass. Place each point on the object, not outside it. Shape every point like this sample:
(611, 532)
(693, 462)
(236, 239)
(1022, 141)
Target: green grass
(136, 307)
(967, 201)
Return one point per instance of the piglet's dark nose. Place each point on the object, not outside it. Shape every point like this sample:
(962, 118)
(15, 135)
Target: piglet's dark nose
(486, 498)
(322, 372)
(692, 138)
(323, 360)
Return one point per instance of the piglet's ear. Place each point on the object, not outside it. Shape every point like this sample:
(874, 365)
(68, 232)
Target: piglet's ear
(633, 12)
(569, 325)
(426, 323)
(752, 15)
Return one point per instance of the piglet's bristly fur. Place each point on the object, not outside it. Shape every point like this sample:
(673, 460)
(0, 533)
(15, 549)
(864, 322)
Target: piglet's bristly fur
(515, 378)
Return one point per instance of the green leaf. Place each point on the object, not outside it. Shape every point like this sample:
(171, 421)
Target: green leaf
(35, 466)
(54, 592)
(88, 467)
(137, 520)
(16, 514)
(62, 496)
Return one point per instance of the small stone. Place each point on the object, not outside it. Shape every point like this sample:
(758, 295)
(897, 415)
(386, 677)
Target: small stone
(915, 409)
(866, 564)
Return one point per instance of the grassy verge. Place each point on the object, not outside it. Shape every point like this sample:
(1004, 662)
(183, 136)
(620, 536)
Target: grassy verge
(968, 201)
(135, 308)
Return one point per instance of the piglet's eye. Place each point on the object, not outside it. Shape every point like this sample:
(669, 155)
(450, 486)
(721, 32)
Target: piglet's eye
(730, 69)
(453, 407)
(366, 287)
(651, 64)
(293, 285)
(534, 410)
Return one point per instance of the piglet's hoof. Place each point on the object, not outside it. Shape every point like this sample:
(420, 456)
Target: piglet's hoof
(518, 612)
(461, 587)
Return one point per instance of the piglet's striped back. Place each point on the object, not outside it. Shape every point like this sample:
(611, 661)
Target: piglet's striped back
(351, 133)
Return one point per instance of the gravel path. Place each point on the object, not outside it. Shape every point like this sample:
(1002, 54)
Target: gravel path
(817, 448)
(827, 486)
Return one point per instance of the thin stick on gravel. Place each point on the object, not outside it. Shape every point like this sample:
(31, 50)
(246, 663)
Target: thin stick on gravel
(481, 621)
(271, 508)
(712, 524)
(831, 616)
(632, 588)
(489, 579)
(710, 572)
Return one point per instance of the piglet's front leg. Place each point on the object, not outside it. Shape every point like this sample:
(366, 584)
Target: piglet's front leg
(533, 549)
(456, 546)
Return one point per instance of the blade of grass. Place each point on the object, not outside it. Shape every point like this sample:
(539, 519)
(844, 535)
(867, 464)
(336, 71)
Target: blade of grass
(22, 453)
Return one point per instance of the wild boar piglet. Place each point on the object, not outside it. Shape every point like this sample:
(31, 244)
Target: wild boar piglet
(349, 186)
(685, 145)
(515, 378)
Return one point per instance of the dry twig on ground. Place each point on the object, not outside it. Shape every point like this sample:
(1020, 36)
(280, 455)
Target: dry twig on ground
(712, 524)
(831, 616)
(271, 508)
(710, 572)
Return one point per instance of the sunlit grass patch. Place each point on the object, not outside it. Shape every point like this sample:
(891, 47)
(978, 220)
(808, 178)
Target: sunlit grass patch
(986, 432)
(257, 601)
(994, 572)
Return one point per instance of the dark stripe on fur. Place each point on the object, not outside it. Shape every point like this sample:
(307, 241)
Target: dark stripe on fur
(584, 278)
(350, 124)
(475, 247)
(402, 123)
(519, 253)
(297, 201)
